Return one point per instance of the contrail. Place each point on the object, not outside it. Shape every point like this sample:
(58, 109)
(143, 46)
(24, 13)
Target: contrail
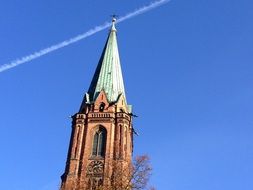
(79, 37)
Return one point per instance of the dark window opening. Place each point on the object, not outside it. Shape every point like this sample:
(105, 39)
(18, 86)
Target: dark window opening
(99, 143)
(102, 107)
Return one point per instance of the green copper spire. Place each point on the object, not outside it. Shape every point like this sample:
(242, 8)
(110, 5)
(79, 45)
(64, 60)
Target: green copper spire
(108, 75)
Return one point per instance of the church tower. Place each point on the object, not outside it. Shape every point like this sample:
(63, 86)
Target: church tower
(102, 133)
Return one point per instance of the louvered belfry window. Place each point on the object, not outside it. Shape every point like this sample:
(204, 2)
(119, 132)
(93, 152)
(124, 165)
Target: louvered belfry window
(99, 142)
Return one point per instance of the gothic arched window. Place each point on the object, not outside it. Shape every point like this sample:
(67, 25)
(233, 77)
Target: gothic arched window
(99, 142)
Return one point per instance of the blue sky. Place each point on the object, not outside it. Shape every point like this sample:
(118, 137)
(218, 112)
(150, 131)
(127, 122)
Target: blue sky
(188, 74)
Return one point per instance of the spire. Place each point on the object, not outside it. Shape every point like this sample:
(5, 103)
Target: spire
(108, 74)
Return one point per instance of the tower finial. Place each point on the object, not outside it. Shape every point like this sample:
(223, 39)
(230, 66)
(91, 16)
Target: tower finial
(114, 18)
(113, 22)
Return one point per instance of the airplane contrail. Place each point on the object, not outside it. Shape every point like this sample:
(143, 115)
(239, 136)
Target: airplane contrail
(79, 37)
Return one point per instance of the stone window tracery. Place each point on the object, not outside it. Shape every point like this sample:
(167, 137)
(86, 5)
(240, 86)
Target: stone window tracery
(99, 142)
(95, 172)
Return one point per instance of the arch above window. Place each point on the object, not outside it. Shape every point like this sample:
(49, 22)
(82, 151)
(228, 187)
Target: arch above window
(99, 142)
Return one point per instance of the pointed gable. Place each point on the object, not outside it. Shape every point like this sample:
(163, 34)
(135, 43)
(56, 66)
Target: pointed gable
(108, 74)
